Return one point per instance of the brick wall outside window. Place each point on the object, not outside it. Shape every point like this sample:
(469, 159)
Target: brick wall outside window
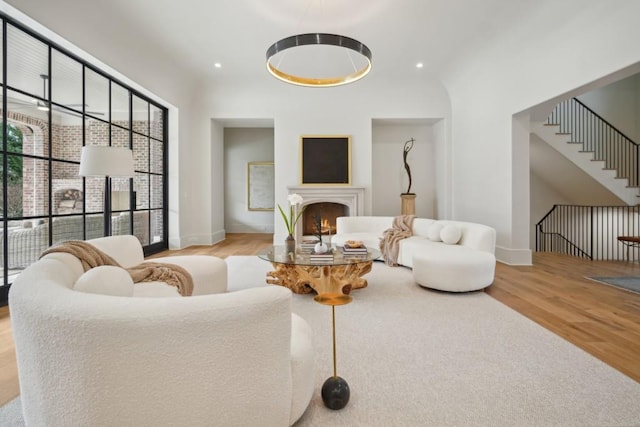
(66, 145)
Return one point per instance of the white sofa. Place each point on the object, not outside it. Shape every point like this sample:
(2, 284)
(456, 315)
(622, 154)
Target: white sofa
(215, 358)
(27, 239)
(467, 265)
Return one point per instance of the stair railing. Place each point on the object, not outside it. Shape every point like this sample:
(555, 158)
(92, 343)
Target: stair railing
(587, 231)
(597, 135)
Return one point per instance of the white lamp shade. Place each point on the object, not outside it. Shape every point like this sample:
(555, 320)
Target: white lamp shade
(106, 161)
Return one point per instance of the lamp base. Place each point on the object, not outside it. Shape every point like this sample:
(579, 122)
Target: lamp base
(335, 393)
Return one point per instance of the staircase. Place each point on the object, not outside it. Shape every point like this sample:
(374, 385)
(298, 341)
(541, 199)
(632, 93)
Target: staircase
(589, 231)
(595, 146)
(611, 158)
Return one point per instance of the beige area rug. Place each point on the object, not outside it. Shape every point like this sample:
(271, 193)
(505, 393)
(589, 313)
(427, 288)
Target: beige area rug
(415, 357)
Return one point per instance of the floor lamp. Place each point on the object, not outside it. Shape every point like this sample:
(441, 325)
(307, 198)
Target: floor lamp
(107, 162)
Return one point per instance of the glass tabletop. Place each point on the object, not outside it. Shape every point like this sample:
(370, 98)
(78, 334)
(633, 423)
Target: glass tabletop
(303, 256)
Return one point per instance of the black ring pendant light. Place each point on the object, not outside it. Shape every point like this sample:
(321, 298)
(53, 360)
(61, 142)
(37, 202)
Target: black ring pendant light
(318, 39)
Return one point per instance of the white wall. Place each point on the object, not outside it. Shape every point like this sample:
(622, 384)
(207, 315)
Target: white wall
(570, 45)
(389, 175)
(243, 145)
(346, 110)
(619, 104)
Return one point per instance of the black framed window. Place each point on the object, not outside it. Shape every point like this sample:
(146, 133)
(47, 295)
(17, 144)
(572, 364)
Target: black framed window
(53, 103)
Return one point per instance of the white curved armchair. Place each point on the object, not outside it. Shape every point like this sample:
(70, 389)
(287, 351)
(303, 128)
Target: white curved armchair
(225, 359)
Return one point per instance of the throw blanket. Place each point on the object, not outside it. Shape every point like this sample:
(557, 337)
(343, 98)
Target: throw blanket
(390, 243)
(90, 257)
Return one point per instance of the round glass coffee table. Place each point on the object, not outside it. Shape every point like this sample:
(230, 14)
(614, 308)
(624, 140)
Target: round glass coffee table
(331, 276)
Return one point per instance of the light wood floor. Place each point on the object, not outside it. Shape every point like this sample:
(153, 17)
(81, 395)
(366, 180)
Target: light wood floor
(602, 320)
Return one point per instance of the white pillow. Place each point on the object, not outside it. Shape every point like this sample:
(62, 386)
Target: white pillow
(450, 234)
(106, 280)
(433, 232)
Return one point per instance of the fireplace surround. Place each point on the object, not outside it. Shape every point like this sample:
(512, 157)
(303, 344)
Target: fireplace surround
(351, 197)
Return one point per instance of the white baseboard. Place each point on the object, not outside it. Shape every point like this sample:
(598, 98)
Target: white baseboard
(218, 236)
(249, 228)
(197, 239)
(174, 243)
(514, 256)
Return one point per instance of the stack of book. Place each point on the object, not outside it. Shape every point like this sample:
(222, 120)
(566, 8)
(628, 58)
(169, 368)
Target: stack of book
(307, 245)
(324, 257)
(354, 250)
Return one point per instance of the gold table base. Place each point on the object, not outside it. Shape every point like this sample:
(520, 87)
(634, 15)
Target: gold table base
(323, 279)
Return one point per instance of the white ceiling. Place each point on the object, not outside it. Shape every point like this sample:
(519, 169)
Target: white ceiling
(198, 33)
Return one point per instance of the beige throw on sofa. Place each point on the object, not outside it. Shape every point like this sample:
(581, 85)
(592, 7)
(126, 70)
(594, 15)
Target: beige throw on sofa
(401, 228)
(90, 257)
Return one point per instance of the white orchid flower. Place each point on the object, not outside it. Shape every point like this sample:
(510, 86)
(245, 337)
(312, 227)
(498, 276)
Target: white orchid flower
(291, 220)
(295, 199)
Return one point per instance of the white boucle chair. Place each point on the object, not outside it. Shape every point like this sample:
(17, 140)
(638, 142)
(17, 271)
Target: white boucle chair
(209, 273)
(90, 359)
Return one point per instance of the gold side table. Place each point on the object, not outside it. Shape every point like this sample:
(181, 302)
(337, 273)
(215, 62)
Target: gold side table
(335, 390)
(332, 280)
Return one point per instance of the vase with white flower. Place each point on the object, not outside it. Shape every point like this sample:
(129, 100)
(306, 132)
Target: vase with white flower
(291, 220)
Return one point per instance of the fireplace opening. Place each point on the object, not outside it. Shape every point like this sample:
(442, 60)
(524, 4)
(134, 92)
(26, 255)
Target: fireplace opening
(328, 213)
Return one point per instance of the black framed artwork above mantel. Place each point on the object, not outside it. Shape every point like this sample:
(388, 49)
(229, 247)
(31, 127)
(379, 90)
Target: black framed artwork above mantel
(325, 159)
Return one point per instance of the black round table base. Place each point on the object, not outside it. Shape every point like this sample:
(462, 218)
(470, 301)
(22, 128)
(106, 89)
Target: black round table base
(335, 393)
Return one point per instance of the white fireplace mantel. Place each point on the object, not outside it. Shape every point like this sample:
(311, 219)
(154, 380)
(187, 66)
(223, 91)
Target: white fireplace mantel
(352, 197)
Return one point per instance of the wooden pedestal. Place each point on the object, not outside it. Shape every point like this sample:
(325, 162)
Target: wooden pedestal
(408, 204)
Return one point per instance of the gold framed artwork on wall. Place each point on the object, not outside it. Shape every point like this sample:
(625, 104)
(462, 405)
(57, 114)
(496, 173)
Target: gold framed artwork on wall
(260, 186)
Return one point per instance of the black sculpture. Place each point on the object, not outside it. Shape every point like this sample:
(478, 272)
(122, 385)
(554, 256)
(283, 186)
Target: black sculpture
(407, 147)
(317, 219)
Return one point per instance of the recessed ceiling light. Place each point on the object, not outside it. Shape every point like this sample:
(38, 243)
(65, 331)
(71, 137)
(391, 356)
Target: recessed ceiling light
(419, 65)
(217, 65)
